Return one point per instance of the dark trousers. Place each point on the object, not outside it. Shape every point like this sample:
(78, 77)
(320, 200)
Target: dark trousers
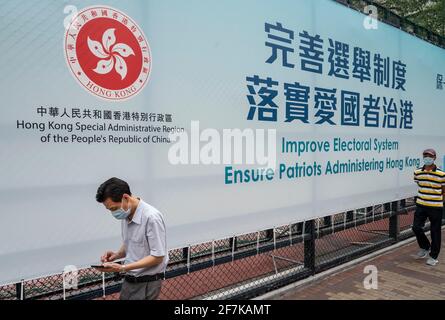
(141, 291)
(435, 216)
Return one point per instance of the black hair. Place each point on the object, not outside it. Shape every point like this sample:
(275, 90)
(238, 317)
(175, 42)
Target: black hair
(113, 188)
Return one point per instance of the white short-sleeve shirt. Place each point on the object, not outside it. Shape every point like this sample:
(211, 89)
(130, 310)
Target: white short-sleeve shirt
(143, 236)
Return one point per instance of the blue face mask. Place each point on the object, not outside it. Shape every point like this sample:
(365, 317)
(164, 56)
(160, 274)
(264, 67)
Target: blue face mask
(121, 214)
(428, 161)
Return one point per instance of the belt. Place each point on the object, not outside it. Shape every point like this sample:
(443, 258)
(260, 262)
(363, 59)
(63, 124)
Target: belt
(146, 278)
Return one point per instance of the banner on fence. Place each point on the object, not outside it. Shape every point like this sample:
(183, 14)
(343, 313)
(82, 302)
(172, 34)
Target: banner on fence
(333, 110)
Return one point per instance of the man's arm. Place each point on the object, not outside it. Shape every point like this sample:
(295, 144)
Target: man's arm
(443, 193)
(121, 253)
(149, 261)
(158, 249)
(111, 256)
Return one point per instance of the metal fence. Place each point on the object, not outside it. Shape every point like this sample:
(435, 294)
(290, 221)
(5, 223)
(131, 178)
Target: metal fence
(248, 265)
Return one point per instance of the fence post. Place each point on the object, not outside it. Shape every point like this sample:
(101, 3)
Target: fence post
(299, 228)
(309, 246)
(327, 221)
(394, 223)
(20, 290)
(185, 252)
(349, 216)
(369, 211)
(403, 203)
(233, 243)
(402, 207)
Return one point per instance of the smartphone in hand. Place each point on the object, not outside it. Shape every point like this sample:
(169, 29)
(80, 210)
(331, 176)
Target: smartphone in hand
(99, 266)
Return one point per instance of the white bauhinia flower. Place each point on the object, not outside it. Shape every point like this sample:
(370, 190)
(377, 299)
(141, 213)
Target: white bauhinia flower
(123, 50)
(97, 49)
(121, 66)
(104, 66)
(108, 39)
(111, 54)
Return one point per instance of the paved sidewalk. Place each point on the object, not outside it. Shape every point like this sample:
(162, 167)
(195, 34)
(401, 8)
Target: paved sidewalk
(400, 277)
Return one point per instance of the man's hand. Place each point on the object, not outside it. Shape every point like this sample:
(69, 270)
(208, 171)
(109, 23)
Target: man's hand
(109, 256)
(111, 267)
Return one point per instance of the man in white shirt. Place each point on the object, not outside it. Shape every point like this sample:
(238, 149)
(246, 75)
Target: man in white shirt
(144, 244)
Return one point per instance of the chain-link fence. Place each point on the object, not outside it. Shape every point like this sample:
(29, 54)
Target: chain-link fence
(247, 265)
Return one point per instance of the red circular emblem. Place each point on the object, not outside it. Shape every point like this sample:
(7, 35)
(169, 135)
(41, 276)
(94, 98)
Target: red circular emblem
(108, 53)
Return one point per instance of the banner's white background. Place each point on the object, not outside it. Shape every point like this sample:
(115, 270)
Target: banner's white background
(202, 52)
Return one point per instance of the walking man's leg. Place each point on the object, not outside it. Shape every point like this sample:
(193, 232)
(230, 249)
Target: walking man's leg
(153, 289)
(420, 217)
(141, 291)
(435, 217)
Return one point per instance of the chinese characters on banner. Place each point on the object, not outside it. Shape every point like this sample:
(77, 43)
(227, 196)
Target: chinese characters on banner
(306, 51)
